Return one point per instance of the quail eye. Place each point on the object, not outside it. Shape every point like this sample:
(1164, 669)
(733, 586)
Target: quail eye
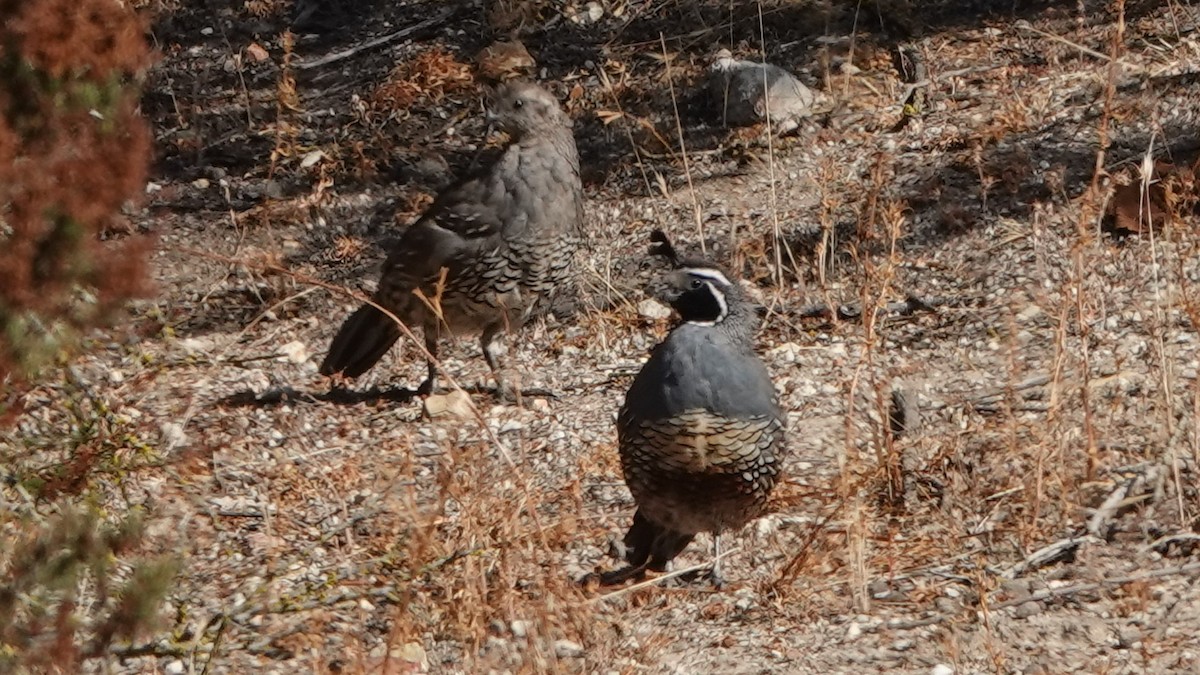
(695, 284)
(519, 103)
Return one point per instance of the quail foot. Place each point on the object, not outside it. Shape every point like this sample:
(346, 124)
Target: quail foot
(487, 254)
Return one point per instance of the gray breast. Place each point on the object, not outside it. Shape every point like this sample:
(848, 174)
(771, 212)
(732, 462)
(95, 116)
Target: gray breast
(699, 367)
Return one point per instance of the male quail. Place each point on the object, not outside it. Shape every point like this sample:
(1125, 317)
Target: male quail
(700, 433)
(486, 251)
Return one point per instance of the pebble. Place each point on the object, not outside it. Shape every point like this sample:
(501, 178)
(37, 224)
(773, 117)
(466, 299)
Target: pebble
(1028, 609)
(941, 669)
(454, 404)
(175, 667)
(295, 351)
(1128, 636)
(653, 309)
(413, 654)
(173, 434)
(566, 649)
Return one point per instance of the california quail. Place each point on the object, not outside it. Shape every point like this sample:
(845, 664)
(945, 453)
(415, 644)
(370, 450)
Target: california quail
(488, 249)
(700, 432)
(746, 91)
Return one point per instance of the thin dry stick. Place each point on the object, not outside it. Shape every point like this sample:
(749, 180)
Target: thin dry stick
(1166, 379)
(1084, 236)
(658, 580)
(687, 169)
(1040, 596)
(779, 242)
(637, 154)
(1025, 25)
(377, 42)
(792, 569)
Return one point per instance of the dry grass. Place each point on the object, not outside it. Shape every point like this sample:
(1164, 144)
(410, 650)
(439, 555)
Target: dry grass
(1036, 517)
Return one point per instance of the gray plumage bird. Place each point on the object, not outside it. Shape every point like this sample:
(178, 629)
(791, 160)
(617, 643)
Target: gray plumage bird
(700, 433)
(488, 252)
(748, 92)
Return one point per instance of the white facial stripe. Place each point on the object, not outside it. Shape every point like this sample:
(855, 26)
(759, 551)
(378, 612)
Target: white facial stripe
(710, 274)
(720, 297)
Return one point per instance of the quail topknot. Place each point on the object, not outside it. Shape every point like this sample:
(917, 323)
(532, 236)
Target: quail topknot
(700, 433)
(488, 252)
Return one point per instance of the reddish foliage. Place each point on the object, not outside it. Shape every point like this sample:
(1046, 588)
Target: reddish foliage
(72, 150)
(1170, 193)
(69, 38)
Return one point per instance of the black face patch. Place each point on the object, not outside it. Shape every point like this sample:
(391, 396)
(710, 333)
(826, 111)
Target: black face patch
(700, 305)
(701, 298)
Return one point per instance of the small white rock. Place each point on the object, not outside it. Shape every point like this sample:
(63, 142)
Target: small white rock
(591, 13)
(520, 628)
(197, 345)
(854, 631)
(295, 351)
(456, 404)
(566, 649)
(173, 434)
(941, 669)
(311, 159)
(175, 667)
(653, 309)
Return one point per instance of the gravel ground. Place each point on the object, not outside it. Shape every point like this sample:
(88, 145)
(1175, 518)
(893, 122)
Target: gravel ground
(1038, 513)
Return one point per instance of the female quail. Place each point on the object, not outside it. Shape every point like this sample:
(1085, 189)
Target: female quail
(486, 251)
(700, 433)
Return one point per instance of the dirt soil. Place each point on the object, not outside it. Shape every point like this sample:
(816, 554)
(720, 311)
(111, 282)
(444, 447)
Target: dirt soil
(1037, 513)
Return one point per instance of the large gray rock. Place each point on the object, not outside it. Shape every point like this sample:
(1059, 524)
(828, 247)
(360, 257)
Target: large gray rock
(744, 92)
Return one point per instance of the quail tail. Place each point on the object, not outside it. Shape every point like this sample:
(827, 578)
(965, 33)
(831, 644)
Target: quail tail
(650, 545)
(361, 341)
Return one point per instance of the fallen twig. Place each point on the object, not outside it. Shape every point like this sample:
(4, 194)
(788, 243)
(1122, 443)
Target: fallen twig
(659, 580)
(907, 307)
(1039, 596)
(1118, 500)
(1049, 554)
(379, 41)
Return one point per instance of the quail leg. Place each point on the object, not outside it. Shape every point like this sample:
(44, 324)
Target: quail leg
(718, 580)
(431, 346)
(493, 351)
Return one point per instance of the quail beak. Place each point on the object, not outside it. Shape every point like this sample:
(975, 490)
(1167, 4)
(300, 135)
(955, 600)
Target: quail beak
(490, 97)
(662, 290)
(493, 121)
